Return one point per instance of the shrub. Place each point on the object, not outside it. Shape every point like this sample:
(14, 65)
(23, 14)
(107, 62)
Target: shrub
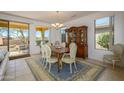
(103, 40)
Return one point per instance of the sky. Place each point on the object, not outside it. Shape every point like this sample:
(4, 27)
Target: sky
(102, 21)
(38, 33)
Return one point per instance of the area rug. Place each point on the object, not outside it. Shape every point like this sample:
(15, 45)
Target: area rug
(86, 71)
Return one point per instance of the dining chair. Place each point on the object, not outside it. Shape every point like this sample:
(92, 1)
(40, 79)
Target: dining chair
(49, 60)
(72, 56)
(63, 44)
(49, 44)
(43, 59)
(57, 44)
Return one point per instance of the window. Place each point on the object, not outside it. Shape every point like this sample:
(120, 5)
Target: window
(63, 35)
(18, 38)
(46, 35)
(104, 29)
(14, 36)
(4, 29)
(42, 36)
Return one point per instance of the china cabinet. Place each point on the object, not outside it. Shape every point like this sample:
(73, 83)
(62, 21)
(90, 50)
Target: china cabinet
(79, 36)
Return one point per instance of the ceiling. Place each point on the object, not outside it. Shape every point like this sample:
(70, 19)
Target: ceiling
(51, 16)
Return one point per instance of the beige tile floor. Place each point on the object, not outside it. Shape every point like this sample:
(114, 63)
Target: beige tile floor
(110, 74)
(18, 70)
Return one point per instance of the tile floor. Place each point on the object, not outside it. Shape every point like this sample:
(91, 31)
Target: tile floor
(18, 70)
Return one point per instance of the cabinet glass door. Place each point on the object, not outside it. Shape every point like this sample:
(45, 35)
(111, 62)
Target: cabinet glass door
(82, 37)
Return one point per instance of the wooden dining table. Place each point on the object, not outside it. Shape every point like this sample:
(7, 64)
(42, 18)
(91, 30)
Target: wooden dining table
(59, 51)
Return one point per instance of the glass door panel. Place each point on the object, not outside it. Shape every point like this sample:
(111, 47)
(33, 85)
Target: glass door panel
(4, 34)
(18, 39)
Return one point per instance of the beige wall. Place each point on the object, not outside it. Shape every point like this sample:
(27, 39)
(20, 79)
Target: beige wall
(55, 35)
(89, 21)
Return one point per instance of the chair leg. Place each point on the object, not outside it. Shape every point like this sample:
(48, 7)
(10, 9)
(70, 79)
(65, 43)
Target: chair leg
(46, 65)
(42, 61)
(75, 66)
(70, 68)
(49, 66)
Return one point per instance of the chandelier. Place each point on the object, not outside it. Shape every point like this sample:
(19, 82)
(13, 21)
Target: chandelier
(57, 25)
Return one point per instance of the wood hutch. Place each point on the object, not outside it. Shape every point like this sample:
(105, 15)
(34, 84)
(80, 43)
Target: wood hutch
(79, 36)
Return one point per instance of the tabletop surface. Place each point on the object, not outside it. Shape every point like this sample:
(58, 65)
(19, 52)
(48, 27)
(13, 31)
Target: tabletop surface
(60, 49)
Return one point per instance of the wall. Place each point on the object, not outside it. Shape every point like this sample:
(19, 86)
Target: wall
(55, 35)
(32, 23)
(89, 21)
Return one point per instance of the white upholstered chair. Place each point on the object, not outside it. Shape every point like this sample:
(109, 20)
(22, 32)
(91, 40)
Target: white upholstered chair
(72, 56)
(63, 44)
(49, 60)
(49, 44)
(57, 44)
(43, 59)
(117, 56)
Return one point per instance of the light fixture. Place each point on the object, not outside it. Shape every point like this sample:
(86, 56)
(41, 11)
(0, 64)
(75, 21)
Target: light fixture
(57, 25)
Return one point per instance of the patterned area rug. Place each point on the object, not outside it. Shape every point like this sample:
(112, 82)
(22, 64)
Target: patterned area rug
(86, 71)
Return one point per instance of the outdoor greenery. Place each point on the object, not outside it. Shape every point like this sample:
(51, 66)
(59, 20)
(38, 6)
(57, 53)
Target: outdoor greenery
(15, 33)
(103, 40)
(42, 38)
(38, 40)
(20, 35)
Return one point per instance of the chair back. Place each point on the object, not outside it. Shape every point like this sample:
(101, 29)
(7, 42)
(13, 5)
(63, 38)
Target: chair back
(47, 51)
(49, 44)
(73, 50)
(43, 51)
(63, 44)
(118, 50)
(57, 44)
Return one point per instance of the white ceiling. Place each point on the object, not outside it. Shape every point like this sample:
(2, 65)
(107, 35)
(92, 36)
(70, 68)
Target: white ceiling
(51, 16)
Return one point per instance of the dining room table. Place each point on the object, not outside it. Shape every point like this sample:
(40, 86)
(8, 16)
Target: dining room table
(59, 51)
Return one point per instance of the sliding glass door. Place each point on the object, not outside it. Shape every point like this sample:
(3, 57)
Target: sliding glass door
(4, 31)
(14, 36)
(18, 39)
